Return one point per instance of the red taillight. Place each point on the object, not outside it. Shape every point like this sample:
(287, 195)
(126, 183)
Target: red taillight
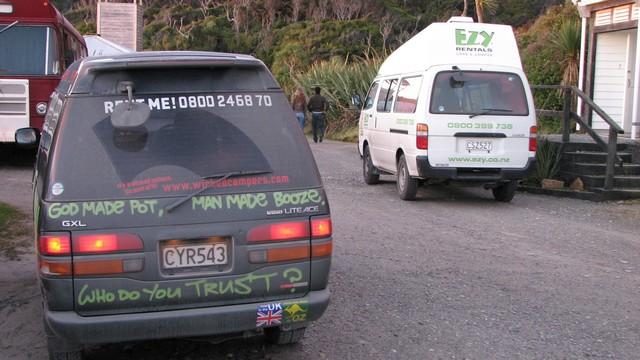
(533, 138)
(321, 228)
(54, 268)
(104, 243)
(422, 136)
(104, 267)
(55, 244)
(321, 250)
(288, 254)
(280, 232)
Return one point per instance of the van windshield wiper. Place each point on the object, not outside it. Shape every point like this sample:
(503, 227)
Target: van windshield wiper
(488, 111)
(9, 26)
(221, 177)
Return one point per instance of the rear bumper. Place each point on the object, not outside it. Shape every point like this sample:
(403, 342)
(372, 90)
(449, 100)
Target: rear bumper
(425, 170)
(74, 328)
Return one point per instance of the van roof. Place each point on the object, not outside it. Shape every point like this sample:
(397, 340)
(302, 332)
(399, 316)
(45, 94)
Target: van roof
(149, 58)
(455, 43)
(157, 60)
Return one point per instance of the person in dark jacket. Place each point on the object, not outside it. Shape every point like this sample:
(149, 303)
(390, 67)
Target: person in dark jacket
(317, 106)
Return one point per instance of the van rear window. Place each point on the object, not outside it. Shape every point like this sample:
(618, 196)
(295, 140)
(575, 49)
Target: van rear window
(187, 137)
(473, 92)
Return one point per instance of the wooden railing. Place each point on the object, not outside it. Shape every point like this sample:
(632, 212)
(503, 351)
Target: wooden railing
(610, 146)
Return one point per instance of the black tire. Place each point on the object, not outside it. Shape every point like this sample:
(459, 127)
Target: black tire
(56, 353)
(61, 350)
(370, 173)
(277, 336)
(505, 192)
(406, 185)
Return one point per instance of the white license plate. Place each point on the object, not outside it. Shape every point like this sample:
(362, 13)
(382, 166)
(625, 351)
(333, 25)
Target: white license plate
(174, 257)
(473, 146)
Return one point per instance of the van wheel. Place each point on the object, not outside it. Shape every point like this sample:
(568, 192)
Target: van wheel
(406, 185)
(277, 336)
(59, 349)
(505, 192)
(370, 173)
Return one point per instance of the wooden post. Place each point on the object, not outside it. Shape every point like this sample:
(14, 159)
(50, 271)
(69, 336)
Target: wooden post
(566, 115)
(612, 150)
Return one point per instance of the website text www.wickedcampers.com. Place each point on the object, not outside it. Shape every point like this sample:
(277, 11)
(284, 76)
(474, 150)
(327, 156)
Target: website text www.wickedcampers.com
(167, 185)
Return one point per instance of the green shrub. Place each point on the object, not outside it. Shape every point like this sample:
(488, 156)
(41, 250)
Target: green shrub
(548, 159)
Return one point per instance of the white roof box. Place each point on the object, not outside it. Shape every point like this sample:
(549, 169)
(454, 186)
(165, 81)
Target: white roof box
(455, 43)
(460, 19)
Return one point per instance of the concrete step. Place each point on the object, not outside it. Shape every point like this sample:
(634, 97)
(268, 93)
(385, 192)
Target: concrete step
(597, 181)
(593, 157)
(593, 147)
(619, 193)
(601, 169)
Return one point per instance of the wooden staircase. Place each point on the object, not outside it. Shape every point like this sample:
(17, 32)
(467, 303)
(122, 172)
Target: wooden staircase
(607, 164)
(588, 162)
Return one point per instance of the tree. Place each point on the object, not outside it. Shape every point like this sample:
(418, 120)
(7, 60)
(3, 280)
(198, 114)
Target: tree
(466, 7)
(485, 5)
(567, 42)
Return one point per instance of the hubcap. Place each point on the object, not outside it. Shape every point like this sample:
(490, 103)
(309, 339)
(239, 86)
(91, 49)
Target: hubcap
(402, 177)
(366, 163)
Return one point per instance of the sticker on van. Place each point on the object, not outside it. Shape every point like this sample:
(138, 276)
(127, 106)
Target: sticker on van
(474, 43)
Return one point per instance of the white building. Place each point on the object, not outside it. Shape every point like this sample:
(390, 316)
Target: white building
(121, 21)
(610, 60)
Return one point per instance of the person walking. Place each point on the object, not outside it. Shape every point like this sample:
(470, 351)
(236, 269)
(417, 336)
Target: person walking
(299, 105)
(317, 106)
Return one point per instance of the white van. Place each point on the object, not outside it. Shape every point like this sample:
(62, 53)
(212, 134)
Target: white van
(451, 104)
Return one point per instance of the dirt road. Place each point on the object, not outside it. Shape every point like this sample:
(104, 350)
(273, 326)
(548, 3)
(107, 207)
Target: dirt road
(454, 275)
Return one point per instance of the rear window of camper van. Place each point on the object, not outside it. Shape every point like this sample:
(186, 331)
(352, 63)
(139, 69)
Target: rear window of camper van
(196, 144)
(473, 92)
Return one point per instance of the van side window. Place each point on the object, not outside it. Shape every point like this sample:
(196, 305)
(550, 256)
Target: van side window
(408, 92)
(371, 95)
(387, 93)
(51, 120)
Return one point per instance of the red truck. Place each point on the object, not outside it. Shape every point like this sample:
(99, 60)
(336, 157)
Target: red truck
(37, 44)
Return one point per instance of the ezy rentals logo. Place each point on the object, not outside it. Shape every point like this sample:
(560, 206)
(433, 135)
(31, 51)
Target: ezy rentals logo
(474, 43)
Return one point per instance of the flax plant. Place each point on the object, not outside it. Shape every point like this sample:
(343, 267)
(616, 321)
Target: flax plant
(340, 80)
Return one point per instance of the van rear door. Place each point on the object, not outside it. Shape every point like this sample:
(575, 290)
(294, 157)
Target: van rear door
(479, 119)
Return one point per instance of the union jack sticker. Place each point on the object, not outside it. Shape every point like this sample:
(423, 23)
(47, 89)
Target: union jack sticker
(269, 315)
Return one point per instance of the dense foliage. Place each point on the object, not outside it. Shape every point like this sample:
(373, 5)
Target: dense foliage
(290, 36)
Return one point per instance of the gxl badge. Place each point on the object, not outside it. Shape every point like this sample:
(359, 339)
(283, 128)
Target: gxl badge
(73, 223)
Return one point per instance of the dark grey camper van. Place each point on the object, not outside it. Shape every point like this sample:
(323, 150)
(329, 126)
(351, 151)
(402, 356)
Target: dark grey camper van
(176, 196)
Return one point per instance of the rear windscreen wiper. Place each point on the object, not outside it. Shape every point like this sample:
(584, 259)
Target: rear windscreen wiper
(221, 177)
(9, 26)
(488, 111)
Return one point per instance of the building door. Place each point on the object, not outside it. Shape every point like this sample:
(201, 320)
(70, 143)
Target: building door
(613, 77)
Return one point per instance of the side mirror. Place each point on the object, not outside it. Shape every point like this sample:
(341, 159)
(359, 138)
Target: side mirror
(27, 137)
(356, 101)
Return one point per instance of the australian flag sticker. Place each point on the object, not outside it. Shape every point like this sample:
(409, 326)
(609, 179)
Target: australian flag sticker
(269, 315)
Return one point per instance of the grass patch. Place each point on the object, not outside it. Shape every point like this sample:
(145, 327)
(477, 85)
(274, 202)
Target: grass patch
(14, 231)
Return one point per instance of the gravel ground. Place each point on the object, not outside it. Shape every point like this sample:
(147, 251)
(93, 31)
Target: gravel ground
(453, 275)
